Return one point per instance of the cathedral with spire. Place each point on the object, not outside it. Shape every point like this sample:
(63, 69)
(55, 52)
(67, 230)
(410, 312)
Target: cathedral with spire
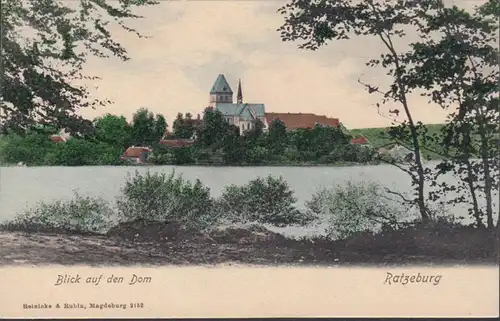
(242, 115)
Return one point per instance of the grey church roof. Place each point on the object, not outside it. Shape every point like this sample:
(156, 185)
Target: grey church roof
(221, 86)
(243, 110)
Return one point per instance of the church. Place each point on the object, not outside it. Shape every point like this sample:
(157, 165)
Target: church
(242, 115)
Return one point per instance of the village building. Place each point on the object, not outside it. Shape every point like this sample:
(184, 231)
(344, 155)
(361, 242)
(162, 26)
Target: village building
(61, 137)
(177, 142)
(293, 121)
(136, 154)
(359, 140)
(169, 140)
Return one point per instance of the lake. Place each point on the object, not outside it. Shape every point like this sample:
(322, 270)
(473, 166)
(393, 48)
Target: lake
(22, 187)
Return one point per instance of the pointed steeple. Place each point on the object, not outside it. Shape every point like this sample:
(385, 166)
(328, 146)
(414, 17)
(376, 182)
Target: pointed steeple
(239, 98)
(221, 86)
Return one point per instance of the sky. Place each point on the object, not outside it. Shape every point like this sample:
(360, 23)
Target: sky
(191, 42)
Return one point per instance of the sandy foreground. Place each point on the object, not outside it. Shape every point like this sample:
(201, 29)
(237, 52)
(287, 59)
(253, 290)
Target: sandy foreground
(22, 248)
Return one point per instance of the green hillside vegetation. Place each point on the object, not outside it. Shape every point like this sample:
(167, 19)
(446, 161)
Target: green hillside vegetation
(379, 137)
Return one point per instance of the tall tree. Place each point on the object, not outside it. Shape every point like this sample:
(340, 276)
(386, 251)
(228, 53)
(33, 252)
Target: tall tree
(460, 69)
(113, 130)
(213, 130)
(317, 22)
(183, 126)
(277, 136)
(143, 128)
(44, 47)
(160, 127)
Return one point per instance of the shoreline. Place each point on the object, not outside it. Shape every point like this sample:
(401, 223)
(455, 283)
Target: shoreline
(207, 165)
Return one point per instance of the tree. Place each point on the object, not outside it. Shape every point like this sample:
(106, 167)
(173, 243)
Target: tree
(319, 21)
(39, 73)
(30, 148)
(255, 133)
(160, 127)
(276, 136)
(144, 131)
(460, 72)
(183, 127)
(113, 130)
(213, 130)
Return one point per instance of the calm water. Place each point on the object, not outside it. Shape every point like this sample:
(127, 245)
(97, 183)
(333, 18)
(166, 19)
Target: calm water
(22, 187)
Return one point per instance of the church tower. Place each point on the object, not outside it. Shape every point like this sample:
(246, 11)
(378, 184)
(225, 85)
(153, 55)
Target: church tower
(239, 97)
(221, 92)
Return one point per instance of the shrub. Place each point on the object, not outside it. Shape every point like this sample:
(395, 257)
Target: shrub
(80, 215)
(161, 197)
(440, 219)
(265, 201)
(352, 209)
(257, 155)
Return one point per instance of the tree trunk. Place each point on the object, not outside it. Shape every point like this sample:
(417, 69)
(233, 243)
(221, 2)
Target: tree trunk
(414, 135)
(470, 180)
(475, 206)
(488, 186)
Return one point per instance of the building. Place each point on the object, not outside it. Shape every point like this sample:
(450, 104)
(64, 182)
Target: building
(62, 137)
(57, 139)
(401, 153)
(177, 142)
(240, 114)
(294, 121)
(136, 154)
(195, 122)
(359, 140)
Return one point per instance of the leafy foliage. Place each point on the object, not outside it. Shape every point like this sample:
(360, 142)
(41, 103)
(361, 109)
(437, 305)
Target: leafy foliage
(183, 126)
(147, 129)
(161, 197)
(42, 67)
(113, 130)
(354, 208)
(80, 215)
(265, 201)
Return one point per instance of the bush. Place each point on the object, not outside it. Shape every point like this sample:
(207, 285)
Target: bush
(440, 219)
(353, 209)
(161, 197)
(78, 215)
(265, 201)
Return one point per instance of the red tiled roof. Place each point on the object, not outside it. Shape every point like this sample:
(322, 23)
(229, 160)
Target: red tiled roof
(176, 142)
(359, 140)
(299, 120)
(57, 139)
(136, 151)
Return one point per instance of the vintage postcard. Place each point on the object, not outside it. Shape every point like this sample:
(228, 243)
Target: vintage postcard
(281, 158)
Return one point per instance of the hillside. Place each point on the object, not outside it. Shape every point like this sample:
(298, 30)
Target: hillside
(378, 137)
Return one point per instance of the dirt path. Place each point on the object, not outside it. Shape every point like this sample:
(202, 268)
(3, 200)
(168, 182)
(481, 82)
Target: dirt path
(19, 248)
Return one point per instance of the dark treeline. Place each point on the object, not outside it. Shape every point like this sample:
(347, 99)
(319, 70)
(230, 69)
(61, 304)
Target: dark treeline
(216, 142)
